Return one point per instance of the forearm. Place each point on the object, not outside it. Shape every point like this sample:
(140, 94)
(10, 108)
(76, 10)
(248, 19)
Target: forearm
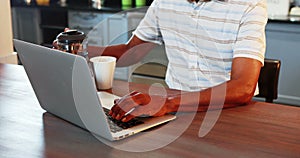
(126, 54)
(114, 50)
(237, 91)
(228, 94)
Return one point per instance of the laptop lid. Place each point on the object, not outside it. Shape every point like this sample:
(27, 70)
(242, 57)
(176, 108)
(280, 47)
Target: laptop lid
(64, 86)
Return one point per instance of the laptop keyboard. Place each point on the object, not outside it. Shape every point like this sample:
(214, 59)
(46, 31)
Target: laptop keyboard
(116, 125)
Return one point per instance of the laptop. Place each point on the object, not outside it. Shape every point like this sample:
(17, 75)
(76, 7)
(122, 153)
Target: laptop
(64, 87)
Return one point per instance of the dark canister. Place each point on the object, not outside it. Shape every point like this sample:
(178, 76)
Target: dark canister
(72, 41)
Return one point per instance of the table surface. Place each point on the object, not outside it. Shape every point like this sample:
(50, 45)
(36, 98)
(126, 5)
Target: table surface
(255, 130)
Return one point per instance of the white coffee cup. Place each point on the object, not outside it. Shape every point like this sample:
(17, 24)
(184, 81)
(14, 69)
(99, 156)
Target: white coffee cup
(104, 68)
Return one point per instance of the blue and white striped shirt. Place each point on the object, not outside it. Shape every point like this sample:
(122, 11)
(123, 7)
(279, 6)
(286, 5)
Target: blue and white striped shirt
(201, 39)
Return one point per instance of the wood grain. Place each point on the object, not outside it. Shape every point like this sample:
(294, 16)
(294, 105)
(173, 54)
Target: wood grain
(255, 130)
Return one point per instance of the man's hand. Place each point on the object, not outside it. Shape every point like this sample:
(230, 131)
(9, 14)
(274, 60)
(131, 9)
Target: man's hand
(54, 43)
(139, 104)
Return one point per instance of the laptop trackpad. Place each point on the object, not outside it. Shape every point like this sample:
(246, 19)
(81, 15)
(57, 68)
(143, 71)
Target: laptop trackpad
(107, 99)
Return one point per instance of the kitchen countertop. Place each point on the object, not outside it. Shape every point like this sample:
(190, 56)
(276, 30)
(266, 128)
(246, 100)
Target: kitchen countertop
(81, 6)
(285, 19)
(89, 6)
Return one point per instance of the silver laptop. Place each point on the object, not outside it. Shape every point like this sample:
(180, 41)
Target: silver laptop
(65, 88)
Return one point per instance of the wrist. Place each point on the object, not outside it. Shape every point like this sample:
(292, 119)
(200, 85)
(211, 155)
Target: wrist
(173, 103)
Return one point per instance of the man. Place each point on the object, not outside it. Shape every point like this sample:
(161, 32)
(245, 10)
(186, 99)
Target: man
(213, 47)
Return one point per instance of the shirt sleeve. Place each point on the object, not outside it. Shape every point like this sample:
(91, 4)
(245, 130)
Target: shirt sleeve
(251, 40)
(148, 29)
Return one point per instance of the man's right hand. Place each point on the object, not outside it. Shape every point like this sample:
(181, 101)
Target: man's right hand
(138, 104)
(54, 43)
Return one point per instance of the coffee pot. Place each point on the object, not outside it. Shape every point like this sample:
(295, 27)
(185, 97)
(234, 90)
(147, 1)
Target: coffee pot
(73, 41)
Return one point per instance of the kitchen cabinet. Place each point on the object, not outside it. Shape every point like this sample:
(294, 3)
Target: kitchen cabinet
(39, 26)
(26, 24)
(53, 21)
(283, 42)
(91, 23)
(105, 28)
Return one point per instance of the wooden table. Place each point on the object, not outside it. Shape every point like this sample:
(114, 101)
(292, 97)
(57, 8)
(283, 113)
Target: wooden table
(256, 130)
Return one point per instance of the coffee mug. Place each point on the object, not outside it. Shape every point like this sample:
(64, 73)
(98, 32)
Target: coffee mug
(104, 68)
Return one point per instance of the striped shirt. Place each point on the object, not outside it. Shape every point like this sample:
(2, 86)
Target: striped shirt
(201, 39)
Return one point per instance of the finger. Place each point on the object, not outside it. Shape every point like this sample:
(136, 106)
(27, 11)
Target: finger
(66, 29)
(118, 111)
(115, 109)
(133, 93)
(125, 97)
(121, 112)
(54, 44)
(138, 111)
(130, 94)
(116, 101)
(127, 118)
(123, 105)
